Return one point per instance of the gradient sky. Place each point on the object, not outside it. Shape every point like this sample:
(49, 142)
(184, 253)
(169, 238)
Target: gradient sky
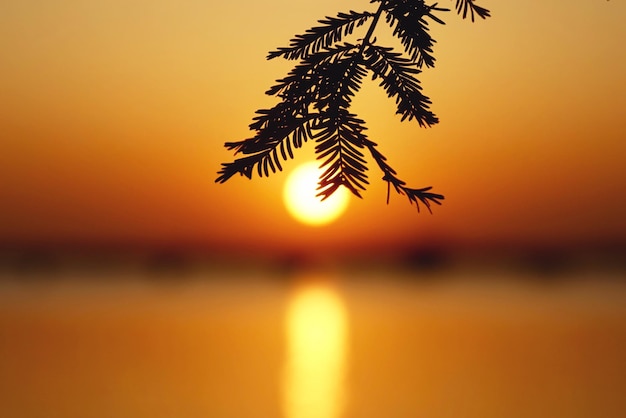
(113, 116)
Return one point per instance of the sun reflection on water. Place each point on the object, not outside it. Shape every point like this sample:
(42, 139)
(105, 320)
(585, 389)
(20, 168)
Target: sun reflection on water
(317, 327)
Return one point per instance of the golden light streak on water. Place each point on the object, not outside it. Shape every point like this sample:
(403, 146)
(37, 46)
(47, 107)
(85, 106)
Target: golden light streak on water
(317, 328)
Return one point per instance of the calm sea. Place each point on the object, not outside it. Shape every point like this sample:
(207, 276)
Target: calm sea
(314, 345)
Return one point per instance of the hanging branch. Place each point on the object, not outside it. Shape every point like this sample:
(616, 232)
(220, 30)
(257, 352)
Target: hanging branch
(317, 93)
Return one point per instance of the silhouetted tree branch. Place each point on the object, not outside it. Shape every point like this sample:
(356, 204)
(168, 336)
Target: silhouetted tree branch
(317, 93)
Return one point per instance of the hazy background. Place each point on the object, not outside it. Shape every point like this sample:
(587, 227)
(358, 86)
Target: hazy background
(114, 114)
(132, 285)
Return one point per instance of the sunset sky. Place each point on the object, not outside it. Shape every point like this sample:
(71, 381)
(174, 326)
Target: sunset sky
(113, 116)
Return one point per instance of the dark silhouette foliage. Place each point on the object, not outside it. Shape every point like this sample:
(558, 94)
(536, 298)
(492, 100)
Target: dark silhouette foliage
(315, 96)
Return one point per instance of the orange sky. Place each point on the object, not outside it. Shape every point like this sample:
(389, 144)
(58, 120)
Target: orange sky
(114, 114)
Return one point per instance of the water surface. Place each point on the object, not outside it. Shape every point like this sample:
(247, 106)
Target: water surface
(320, 345)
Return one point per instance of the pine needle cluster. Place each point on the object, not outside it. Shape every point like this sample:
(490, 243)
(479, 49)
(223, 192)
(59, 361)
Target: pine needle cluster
(315, 97)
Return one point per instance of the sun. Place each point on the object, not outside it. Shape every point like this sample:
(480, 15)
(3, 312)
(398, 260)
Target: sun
(302, 203)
